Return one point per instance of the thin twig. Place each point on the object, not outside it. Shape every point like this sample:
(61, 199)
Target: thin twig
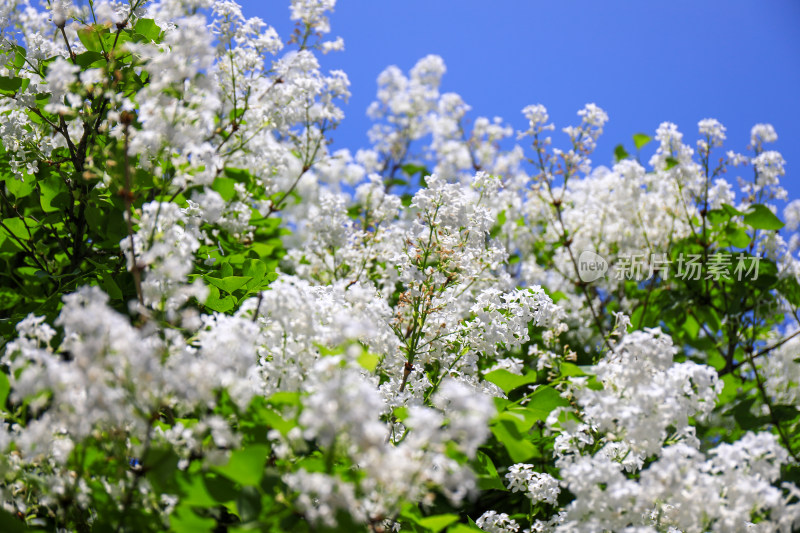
(69, 48)
(258, 305)
(763, 352)
(407, 369)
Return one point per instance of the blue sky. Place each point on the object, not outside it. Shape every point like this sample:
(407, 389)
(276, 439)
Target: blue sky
(643, 62)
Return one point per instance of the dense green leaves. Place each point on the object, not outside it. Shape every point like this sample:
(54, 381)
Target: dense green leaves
(229, 284)
(246, 465)
(518, 425)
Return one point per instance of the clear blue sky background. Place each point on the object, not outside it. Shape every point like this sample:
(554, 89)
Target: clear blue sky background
(643, 62)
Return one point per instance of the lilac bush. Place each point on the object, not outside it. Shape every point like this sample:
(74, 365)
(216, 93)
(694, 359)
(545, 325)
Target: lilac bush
(214, 322)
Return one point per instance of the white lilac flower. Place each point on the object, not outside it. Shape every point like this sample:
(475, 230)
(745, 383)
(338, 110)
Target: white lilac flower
(494, 522)
(791, 214)
(713, 130)
(645, 396)
(537, 117)
(164, 248)
(60, 77)
(762, 133)
(313, 13)
(537, 486)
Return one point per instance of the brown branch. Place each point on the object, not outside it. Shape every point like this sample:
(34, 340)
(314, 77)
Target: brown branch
(407, 369)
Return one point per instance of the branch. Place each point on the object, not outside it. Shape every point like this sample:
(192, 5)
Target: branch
(765, 351)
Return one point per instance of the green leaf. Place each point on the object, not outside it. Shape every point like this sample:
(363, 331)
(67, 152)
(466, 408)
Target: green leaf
(400, 413)
(110, 286)
(571, 369)
(709, 317)
(543, 401)
(184, 520)
(395, 182)
(368, 361)
(785, 412)
(790, 289)
(148, 29)
(354, 211)
(19, 57)
(760, 217)
(225, 187)
(640, 139)
(500, 404)
(8, 298)
(10, 523)
(438, 522)
(221, 489)
(9, 86)
(516, 444)
(488, 478)
(285, 398)
(88, 59)
(54, 194)
(276, 421)
(20, 228)
(90, 39)
(732, 211)
(5, 388)
(229, 284)
(743, 414)
(671, 163)
(730, 390)
(464, 528)
(411, 169)
(218, 304)
(246, 466)
(161, 464)
(508, 381)
(19, 188)
(194, 490)
(718, 217)
(434, 523)
(256, 269)
(248, 504)
(110, 38)
(620, 153)
(738, 237)
(691, 326)
(239, 175)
